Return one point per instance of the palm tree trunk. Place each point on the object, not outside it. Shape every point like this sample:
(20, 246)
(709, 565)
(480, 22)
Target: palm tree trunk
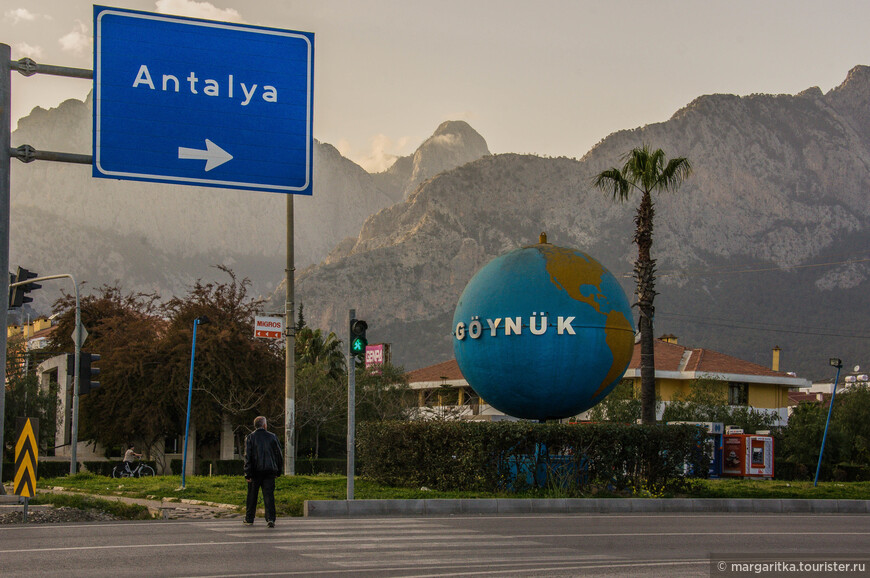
(644, 270)
(647, 371)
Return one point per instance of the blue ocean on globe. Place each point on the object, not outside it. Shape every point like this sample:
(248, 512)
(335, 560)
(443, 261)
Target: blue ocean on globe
(543, 332)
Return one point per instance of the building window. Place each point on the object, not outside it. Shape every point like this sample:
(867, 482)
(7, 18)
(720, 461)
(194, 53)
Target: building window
(738, 394)
(170, 445)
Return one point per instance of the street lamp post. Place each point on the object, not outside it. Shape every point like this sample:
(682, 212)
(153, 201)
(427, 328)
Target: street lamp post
(79, 335)
(198, 321)
(834, 362)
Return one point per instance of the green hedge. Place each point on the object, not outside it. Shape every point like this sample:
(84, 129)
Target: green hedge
(842, 472)
(221, 467)
(103, 468)
(44, 469)
(514, 456)
(304, 467)
(310, 467)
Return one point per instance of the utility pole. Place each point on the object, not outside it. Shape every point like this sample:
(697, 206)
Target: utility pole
(5, 202)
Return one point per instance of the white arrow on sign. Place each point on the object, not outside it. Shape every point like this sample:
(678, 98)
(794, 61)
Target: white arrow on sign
(213, 155)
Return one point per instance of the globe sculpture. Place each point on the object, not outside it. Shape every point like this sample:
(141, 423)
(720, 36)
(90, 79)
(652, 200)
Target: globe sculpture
(543, 332)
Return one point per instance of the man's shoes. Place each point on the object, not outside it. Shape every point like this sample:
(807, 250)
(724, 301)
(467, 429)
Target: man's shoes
(271, 523)
(247, 523)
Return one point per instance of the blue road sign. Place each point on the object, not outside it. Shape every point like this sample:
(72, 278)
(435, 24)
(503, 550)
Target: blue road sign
(198, 102)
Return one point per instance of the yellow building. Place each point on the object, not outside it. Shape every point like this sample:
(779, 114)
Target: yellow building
(35, 333)
(442, 388)
(747, 383)
(28, 328)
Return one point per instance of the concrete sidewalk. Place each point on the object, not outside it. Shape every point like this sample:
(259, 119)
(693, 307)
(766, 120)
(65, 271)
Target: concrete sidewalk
(426, 507)
(12, 503)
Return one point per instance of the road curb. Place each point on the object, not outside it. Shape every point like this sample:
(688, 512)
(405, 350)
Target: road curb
(446, 507)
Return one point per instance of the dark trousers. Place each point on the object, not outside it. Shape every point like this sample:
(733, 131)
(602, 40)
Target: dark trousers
(267, 483)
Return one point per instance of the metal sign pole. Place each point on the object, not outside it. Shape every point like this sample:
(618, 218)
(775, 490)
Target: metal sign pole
(289, 352)
(25, 153)
(5, 202)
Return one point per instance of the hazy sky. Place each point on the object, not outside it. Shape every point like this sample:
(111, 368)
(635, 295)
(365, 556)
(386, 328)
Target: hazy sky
(548, 77)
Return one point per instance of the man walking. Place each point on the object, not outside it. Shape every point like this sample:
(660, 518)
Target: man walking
(263, 462)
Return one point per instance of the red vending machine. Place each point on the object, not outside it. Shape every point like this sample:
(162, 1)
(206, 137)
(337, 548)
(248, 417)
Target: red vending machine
(747, 455)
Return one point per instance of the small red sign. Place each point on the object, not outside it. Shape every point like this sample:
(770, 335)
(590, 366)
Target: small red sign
(269, 327)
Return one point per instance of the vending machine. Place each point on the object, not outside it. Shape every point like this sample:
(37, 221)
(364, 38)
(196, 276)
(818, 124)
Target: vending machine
(748, 456)
(712, 444)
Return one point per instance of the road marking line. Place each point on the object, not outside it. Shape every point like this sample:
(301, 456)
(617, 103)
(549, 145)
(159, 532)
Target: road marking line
(633, 534)
(339, 533)
(500, 571)
(123, 546)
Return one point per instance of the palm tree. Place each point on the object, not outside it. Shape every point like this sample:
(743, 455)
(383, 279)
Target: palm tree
(645, 171)
(313, 347)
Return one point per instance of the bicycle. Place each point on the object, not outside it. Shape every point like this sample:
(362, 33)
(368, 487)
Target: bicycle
(142, 470)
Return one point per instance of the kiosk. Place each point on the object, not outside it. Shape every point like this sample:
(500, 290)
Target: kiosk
(712, 444)
(747, 456)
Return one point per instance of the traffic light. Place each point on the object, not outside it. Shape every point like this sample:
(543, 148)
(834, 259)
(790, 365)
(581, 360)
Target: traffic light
(87, 372)
(358, 339)
(18, 295)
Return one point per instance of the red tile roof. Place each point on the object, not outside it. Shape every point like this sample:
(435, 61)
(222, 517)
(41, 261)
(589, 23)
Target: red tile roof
(447, 369)
(796, 397)
(668, 357)
(43, 333)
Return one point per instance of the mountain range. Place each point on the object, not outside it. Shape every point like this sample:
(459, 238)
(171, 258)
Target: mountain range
(161, 237)
(766, 244)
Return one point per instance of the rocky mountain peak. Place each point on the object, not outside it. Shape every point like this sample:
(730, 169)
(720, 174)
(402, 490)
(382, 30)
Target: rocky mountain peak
(857, 79)
(453, 144)
(461, 128)
(850, 99)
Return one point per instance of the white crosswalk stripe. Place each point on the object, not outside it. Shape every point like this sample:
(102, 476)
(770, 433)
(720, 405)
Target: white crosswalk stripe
(399, 543)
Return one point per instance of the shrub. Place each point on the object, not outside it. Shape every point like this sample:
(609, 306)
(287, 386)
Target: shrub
(102, 468)
(44, 469)
(220, 467)
(514, 456)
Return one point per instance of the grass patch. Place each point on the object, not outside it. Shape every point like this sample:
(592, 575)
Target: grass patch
(761, 489)
(120, 510)
(291, 492)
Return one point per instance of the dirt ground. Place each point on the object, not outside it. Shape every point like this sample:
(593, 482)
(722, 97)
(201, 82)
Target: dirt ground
(55, 516)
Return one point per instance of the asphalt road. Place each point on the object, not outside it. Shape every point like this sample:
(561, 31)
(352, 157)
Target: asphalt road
(554, 545)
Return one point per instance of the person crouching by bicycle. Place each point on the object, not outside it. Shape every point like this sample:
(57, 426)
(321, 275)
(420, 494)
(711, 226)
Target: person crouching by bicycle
(263, 463)
(129, 457)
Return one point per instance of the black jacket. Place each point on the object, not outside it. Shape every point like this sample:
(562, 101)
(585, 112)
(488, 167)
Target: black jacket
(263, 454)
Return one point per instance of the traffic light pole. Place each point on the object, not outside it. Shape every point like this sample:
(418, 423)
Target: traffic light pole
(351, 408)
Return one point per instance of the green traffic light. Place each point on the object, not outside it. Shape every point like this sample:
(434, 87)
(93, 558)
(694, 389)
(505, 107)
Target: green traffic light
(358, 345)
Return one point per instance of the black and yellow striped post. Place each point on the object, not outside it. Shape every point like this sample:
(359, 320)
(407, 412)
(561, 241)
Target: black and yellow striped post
(26, 454)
